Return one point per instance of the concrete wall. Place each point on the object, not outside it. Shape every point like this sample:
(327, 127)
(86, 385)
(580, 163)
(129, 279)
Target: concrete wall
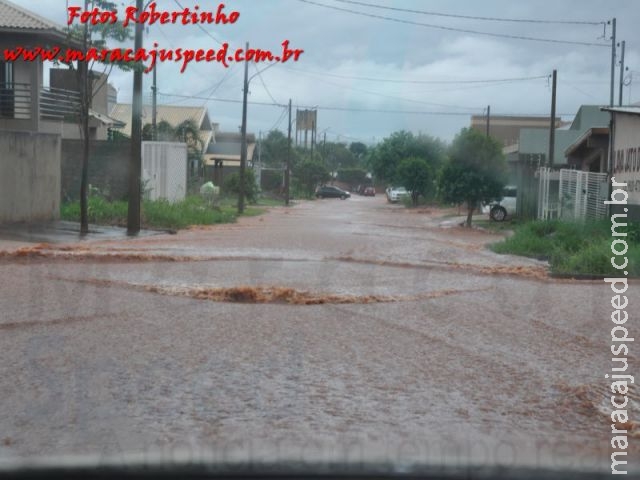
(29, 176)
(108, 168)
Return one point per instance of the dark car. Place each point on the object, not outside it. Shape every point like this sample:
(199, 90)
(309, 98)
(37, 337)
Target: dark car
(369, 192)
(329, 191)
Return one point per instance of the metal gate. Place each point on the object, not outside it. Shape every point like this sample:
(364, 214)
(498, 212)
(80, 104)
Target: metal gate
(547, 193)
(581, 195)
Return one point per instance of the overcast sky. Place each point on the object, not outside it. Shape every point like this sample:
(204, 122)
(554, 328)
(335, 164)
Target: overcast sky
(341, 48)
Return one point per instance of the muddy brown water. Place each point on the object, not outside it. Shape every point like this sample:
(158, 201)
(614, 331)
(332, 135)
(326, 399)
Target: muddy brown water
(330, 330)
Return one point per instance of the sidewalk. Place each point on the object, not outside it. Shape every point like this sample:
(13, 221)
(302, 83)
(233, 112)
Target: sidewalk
(17, 235)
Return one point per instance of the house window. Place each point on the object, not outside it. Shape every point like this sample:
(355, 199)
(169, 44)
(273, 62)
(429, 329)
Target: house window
(6, 90)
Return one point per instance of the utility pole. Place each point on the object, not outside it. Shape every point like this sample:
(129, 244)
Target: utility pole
(488, 118)
(259, 169)
(613, 60)
(288, 168)
(621, 72)
(243, 146)
(135, 167)
(552, 126)
(86, 89)
(313, 137)
(154, 108)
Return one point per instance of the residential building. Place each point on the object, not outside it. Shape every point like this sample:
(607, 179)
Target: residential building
(65, 79)
(625, 149)
(533, 150)
(223, 157)
(174, 115)
(31, 118)
(506, 128)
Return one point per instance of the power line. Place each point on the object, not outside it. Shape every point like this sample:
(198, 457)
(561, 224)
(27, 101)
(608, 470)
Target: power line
(264, 84)
(421, 82)
(358, 110)
(393, 97)
(470, 17)
(453, 29)
(206, 32)
(279, 121)
(220, 43)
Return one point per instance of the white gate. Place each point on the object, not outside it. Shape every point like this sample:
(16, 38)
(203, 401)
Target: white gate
(547, 201)
(582, 194)
(164, 170)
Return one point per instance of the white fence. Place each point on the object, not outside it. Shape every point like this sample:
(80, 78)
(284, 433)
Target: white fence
(571, 194)
(547, 193)
(164, 170)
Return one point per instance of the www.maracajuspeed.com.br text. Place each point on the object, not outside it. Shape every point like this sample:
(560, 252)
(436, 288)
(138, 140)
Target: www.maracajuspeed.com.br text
(151, 56)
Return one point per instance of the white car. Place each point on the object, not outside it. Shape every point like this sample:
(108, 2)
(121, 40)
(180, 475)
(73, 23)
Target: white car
(499, 210)
(395, 194)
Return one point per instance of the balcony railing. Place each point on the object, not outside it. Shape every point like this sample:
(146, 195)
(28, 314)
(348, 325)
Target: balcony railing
(55, 104)
(15, 101)
(59, 104)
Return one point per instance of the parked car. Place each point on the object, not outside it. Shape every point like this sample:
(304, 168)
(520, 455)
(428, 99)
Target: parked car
(329, 191)
(506, 207)
(369, 192)
(395, 194)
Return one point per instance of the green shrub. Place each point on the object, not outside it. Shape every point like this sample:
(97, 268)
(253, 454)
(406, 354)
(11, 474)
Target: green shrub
(232, 186)
(571, 247)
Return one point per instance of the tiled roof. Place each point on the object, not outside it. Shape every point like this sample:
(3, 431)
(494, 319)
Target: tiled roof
(173, 115)
(14, 17)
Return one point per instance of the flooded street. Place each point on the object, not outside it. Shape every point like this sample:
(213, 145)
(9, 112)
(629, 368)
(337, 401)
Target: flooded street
(333, 329)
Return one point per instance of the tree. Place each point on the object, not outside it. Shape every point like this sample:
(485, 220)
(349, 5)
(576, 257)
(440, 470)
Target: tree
(386, 156)
(359, 151)
(232, 185)
(309, 173)
(94, 36)
(353, 176)
(336, 156)
(475, 172)
(416, 176)
(273, 149)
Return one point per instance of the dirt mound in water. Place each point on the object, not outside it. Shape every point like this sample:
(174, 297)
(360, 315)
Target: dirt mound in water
(595, 401)
(259, 294)
(44, 251)
(291, 296)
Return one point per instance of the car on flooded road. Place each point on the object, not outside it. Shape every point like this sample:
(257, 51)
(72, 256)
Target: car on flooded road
(330, 191)
(395, 194)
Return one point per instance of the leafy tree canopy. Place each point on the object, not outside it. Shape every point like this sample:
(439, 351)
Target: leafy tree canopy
(309, 173)
(387, 155)
(416, 175)
(475, 172)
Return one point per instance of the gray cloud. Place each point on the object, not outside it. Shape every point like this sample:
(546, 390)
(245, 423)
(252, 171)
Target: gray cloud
(346, 45)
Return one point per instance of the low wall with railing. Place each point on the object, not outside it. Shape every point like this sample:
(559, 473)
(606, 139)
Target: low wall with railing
(29, 176)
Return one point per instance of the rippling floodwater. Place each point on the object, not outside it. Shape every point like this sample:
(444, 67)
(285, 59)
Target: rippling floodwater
(409, 342)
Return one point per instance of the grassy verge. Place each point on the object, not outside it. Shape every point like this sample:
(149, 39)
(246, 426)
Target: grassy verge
(572, 248)
(158, 213)
(494, 226)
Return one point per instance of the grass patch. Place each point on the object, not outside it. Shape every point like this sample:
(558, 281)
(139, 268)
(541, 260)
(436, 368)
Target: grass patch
(493, 226)
(572, 248)
(157, 213)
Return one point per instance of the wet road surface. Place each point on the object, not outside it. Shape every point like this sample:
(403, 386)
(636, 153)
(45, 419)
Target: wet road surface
(329, 330)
